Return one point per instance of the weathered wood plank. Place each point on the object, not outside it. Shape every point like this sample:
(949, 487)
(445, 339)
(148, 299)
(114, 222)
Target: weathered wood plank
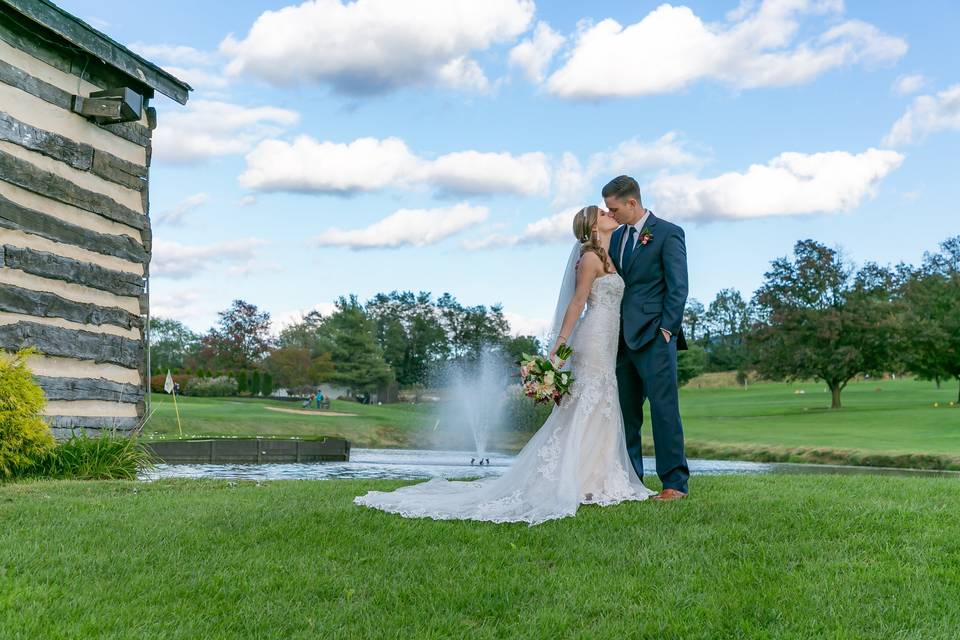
(66, 26)
(110, 167)
(79, 155)
(88, 389)
(50, 265)
(71, 343)
(17, 217)
(65, 426)
(44, 304)
(67, 59)
(15, 77)
(30, 177)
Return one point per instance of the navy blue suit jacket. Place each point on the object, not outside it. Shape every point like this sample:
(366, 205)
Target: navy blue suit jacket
(656, 284)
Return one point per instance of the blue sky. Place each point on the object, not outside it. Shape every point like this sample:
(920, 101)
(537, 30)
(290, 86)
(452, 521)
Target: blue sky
(444, 145)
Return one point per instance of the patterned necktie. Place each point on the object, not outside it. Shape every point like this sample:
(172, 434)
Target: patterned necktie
(628, 249)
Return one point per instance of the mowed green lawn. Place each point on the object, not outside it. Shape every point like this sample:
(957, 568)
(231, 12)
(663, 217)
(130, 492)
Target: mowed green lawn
(887, 415)
(878, 416)
(745, 557)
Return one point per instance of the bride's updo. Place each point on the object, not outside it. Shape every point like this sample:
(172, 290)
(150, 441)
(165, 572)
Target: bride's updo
(585, 230)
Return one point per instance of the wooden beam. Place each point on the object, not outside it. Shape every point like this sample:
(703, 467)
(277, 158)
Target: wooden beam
(110, 167)
(79, 155)
(65, 426)
(19, 218)
(88, 389)
(76, 154)
(21, 33)
(72, 343)
(50, 265)
(77, 32)
(30, 177)
(44, 304)
(15, 77)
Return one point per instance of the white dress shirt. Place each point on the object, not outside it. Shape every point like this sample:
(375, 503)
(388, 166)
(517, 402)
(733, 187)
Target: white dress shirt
(626, 233)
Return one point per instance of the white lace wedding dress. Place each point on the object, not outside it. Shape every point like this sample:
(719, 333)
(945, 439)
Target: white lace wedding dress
(578, 456)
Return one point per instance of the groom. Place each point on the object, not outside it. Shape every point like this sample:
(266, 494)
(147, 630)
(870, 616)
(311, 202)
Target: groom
(651, 257)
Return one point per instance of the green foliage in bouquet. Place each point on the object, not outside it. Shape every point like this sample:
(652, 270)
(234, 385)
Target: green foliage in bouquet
(543, 380)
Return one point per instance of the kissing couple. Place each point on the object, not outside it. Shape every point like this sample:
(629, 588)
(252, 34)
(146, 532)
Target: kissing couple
(620, 309)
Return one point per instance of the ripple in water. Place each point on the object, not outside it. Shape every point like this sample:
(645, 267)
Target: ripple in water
(401, 464)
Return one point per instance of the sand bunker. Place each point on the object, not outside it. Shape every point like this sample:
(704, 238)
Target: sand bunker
(307, 412)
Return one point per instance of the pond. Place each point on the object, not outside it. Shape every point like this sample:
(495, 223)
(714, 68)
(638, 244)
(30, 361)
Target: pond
(401, 464)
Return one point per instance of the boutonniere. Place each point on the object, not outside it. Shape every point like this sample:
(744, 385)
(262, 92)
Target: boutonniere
(646, 236)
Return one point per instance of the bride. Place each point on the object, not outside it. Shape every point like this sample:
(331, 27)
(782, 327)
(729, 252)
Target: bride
(579, 455)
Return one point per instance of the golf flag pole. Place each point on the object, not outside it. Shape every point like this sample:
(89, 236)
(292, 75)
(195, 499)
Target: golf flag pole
(170, 387)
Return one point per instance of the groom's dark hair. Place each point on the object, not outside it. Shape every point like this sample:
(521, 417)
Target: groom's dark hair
(622, 187)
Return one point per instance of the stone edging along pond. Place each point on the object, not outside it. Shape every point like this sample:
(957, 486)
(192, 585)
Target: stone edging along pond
(816, 455)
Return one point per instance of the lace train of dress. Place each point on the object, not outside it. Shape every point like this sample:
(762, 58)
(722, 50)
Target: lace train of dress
(577, 457)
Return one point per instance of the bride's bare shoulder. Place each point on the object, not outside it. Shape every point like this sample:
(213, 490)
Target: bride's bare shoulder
(590, 263)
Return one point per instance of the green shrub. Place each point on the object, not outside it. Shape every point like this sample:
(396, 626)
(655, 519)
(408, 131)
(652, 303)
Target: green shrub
(24, 436)
(211, 387)
(255, 383)
(157, 382)
(107, 456)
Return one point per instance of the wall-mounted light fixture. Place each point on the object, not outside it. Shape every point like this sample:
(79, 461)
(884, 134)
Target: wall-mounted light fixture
(110, 106)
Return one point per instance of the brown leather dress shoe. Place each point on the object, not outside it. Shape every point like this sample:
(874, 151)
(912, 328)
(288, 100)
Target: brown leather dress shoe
(669, 494)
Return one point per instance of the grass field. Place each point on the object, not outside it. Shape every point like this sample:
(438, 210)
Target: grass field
(879, 417)
(744, 557)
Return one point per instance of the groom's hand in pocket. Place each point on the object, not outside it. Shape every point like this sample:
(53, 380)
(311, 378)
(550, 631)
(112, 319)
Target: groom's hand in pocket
(666, 334)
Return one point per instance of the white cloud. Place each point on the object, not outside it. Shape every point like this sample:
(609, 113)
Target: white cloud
(464, 74)
(534, 54)
(307, 165)
(373, 46)
(406, 228)
(188, 305)
(928, 114)
(368, 164)
(521, 325)
(177, 54)
(554, 228)
(178, 261)
(910, 84)
(210, 128)
(672, 48)
(572, 181)
(790, 184)
(474, 172)
(284, 319)
(637, 156)
(199, 79)
(248, 200)
(176, 215)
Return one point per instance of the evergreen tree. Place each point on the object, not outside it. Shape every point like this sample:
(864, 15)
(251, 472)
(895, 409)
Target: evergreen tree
(357, 359)
(266, 385)
(255, 383)
(243, 382)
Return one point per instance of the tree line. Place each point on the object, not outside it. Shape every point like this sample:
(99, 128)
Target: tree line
(815, 316)
(397, 338)
(818, 316)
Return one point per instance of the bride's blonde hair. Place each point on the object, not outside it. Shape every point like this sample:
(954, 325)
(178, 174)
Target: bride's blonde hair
(585, 230)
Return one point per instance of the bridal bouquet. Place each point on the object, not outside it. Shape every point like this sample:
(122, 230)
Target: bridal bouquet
(542, 379)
